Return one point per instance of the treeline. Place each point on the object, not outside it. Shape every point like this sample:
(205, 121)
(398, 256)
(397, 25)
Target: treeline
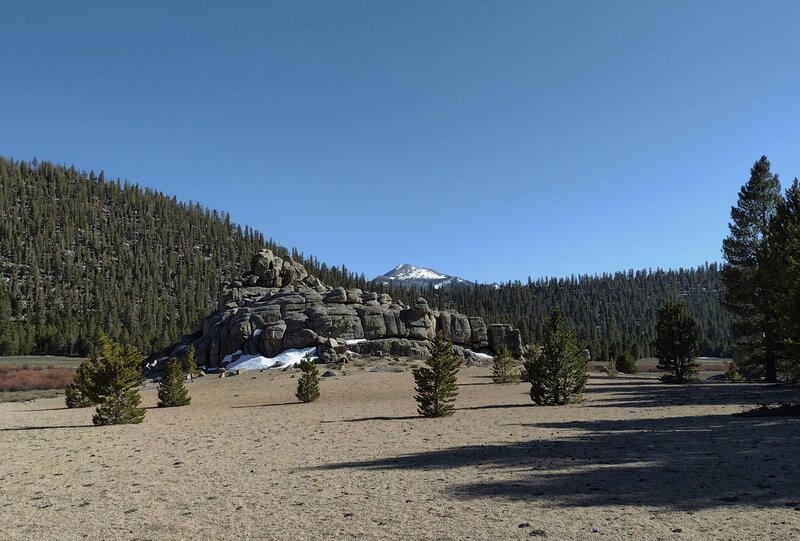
(612, 313)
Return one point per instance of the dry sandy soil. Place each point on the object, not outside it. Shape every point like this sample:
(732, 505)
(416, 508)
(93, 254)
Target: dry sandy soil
(635, 460)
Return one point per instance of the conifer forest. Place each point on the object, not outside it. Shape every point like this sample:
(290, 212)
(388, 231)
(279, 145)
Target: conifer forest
(80, 252)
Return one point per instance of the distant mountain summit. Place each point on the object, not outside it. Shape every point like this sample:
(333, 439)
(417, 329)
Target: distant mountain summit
(411, 275)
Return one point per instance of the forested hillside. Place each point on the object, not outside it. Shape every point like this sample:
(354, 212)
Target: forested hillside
(612, 313)
(79, 252)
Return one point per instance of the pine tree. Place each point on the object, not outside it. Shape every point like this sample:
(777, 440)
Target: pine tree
(676, 343)
(436, 383)
(612, 367)
(748, 288)
(190, 362)
(112, 376)
(308, 384)
(73, 397)
(556, 370)
(781, 259)
(733, 374)
(503, 366)
(626, 363)
(171, 391)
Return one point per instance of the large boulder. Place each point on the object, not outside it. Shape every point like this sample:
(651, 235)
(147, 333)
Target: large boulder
(455, 327)
(372, 321)
(337, 296)
(395, 347)
(504, 334)
(277, 306)
(480, 334)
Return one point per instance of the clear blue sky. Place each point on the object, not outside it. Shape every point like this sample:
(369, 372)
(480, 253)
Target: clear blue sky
(492, 140)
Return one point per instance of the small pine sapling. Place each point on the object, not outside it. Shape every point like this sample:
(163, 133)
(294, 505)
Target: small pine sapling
(612, 368)
(557, 370)
(733, 374)
(436, 383)
(111, 381)
(308, 384)
(171, 391)
(190, 362)
(503, 367)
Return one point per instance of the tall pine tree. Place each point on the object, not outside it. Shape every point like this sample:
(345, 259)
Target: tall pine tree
(781, 260)
(747, 284)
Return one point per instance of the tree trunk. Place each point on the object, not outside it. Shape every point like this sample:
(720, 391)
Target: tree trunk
(770, 368)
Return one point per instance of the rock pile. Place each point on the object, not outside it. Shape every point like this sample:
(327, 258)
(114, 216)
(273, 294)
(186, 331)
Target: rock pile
(277, 306)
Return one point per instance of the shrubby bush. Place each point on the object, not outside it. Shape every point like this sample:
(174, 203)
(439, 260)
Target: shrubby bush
(626, 363)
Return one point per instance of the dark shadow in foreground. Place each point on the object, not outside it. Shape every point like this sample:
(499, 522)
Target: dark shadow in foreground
(649, 393)
(690, 462)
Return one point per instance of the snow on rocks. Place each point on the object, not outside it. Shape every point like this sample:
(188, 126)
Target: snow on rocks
(480, 356)
(290, 357)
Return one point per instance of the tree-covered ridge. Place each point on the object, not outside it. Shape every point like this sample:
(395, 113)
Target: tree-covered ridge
(79, 253)
(612, 313)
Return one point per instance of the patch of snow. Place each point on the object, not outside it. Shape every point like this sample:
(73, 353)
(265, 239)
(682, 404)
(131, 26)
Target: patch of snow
(290, 357)
(481, 356)
(257, 332)
(229, 357)
(444, 283)
(410, 272)
(424, 274)
(356, 341)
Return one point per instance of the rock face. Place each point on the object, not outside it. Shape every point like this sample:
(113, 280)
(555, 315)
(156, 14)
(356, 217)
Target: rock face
(278, 306)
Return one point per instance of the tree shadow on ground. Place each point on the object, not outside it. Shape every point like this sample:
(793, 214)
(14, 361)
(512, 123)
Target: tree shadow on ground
(686, 462)
(54, 427)
(376, 418)
(496, 407)
(267, 405)
(645, 394)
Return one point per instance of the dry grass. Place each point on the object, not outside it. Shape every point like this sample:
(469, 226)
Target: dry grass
(27, 378)
(27, 396)
(41, 361)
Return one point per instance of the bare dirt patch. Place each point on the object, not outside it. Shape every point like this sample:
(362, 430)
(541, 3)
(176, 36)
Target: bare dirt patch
(636, 460)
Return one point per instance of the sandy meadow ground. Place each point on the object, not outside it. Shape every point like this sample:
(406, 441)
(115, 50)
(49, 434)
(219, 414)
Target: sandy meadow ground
(637, 460)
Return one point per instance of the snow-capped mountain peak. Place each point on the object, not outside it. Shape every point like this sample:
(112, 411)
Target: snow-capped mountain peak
(410, 272)
(407, 274)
